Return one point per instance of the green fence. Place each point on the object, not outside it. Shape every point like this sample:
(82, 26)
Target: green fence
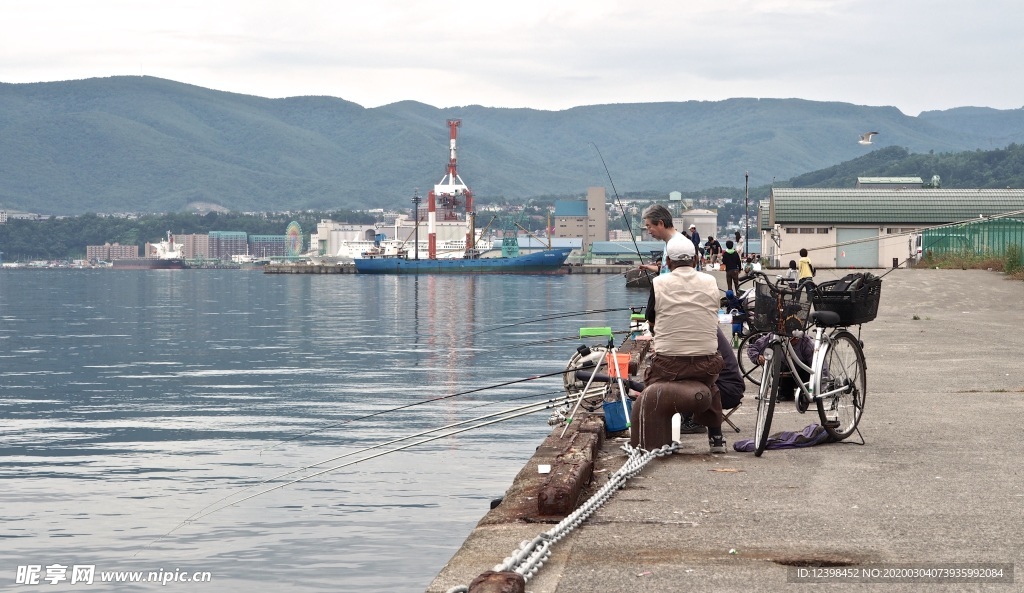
(990, 237)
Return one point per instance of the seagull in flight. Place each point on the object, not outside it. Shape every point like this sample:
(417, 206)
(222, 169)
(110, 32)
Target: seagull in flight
(866, 138)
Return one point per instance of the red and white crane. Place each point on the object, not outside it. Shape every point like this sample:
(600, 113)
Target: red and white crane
(450, 193)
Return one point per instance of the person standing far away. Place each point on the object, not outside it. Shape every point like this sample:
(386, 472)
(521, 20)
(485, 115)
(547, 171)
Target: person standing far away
(739, 244)
(792, 274)
(733, 264)
(805, 278)
(658, 222)
(695, 237)
(806, 269)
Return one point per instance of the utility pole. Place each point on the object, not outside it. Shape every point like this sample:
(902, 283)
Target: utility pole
(746, 212)
(416, 221)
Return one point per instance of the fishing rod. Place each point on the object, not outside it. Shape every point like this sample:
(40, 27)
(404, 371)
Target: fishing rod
(555, 340)
(406, 406)
(550, 318)
(207, 511)
(629, 227)
(547, 404)
(543, 405)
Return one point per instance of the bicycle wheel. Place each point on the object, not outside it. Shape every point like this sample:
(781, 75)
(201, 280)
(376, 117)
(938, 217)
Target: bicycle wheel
(766, 397)
(844, 371)
(749, 369)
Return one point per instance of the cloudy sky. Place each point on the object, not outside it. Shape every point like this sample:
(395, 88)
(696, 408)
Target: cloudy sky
(915, 55)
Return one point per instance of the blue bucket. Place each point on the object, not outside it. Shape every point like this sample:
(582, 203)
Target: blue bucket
(614, 419)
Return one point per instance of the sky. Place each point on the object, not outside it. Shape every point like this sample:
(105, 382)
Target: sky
(916, 55)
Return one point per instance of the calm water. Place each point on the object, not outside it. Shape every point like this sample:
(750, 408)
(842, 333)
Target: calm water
(132, 399)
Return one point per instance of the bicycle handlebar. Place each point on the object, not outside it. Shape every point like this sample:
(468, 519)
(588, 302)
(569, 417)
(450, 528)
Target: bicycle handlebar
(780, 283)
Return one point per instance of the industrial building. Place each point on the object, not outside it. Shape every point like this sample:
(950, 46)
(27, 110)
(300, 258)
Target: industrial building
(868, 227)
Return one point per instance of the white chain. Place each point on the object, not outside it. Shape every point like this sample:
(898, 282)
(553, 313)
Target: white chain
(531, 555)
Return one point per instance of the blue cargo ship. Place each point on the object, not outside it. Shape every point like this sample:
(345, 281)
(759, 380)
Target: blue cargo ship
(549, 261)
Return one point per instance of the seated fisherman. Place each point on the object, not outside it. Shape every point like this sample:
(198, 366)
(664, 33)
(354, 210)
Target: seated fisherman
(685, 344)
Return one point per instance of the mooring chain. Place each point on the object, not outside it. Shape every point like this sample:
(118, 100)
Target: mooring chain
(528, 559)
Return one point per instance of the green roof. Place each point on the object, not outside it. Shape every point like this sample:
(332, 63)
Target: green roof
(763, 208)
(896, 206)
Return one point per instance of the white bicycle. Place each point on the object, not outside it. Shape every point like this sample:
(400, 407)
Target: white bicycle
(837, 376)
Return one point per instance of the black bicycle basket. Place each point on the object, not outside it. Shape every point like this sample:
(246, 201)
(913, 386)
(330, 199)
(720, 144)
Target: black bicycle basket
(766, 310)
(854, 297)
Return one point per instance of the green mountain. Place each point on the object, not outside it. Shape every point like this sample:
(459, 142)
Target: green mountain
(986, 169)
(145, 144)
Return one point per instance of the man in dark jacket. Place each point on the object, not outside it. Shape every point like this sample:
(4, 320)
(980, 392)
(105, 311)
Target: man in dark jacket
(732, 263)
(695, 237)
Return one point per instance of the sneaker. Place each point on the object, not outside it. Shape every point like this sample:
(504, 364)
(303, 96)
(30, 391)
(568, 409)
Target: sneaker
(717, 444)
(688, 426)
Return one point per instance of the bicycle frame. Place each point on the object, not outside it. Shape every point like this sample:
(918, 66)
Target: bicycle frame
(811, 389)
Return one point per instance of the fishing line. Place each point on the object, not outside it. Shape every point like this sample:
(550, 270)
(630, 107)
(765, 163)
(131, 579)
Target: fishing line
(207, 511)
(406, 406)
(443, 397)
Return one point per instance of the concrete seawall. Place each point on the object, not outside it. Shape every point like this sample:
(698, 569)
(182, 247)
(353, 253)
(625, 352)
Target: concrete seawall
(937, 484)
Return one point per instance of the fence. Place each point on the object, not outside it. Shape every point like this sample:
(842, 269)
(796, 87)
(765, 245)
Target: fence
(991, 237)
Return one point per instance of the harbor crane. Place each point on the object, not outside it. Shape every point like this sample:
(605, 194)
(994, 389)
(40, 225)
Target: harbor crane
(450, 193)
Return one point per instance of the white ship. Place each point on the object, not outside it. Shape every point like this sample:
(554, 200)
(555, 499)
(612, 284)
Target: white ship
(347, 251)
(165, 255)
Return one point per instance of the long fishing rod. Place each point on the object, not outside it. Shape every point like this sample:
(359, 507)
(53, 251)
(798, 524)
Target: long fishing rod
(629, 227)
(549, 318)
(406, 406)
(546, 404)
(544, 342)
(207, 511)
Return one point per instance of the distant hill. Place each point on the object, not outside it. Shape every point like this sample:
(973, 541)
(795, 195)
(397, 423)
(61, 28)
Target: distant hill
(152, 145)
(984, 169)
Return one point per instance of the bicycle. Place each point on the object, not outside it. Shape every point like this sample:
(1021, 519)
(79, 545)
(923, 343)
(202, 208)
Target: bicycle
(752, 372)
(836, 378)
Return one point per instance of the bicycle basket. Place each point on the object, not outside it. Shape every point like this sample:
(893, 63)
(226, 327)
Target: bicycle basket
(854, 297)
(766, 310)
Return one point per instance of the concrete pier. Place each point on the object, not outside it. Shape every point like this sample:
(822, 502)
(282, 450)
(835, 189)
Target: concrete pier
(937, 485)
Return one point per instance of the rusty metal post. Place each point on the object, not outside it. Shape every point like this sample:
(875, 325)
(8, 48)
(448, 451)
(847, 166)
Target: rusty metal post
(498, 582)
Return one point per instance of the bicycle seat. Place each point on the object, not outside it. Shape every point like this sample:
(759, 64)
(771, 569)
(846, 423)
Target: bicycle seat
(825, 318)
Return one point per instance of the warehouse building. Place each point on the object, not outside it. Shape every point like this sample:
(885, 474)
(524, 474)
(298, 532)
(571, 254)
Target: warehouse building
(867, 227)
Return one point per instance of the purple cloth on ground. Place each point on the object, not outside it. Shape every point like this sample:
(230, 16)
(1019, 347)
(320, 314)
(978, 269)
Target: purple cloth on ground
(808, 437)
